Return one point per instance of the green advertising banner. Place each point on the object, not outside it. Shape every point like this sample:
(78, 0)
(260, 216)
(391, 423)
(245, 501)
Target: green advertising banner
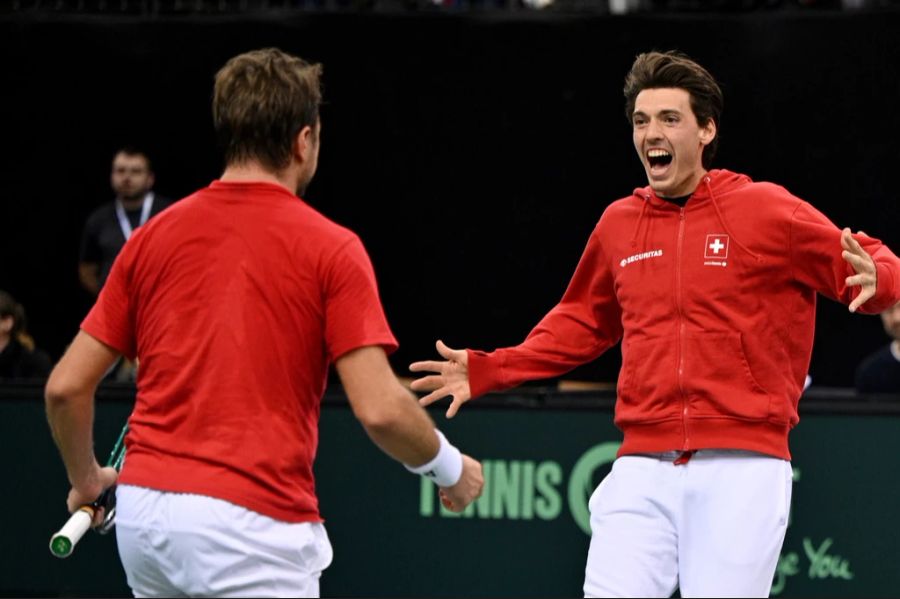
(526, 536)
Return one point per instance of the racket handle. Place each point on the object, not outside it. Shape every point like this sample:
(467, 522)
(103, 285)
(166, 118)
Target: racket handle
(63, 542)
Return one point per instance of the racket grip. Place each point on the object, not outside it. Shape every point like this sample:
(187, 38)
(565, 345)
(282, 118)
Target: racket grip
(63, 542)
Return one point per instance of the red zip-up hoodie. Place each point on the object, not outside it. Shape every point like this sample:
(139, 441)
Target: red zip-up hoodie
(715, 305)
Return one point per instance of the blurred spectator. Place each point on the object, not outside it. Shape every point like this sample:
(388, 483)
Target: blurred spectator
(109, 227)
(880, 372)
(19, 359)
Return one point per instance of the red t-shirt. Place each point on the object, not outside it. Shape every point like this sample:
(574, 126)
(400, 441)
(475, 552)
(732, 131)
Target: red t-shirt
(235, 300)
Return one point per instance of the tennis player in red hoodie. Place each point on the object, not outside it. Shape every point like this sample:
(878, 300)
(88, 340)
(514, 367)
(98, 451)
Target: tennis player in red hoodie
(709, 280)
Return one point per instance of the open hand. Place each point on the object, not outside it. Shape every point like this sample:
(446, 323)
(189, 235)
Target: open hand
(866, 275)
(452, 378)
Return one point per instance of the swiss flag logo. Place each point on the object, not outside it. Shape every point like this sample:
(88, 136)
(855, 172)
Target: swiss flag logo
(716, 247)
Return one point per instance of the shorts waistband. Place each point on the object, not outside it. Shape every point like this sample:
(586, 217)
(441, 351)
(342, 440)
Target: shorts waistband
(671, 456)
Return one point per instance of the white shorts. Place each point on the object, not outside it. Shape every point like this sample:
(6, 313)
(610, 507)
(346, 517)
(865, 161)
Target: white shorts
(177, 545)
(712, 527)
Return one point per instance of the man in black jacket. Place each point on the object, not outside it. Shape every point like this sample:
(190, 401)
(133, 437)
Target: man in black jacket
(109, 226)
(880, 372)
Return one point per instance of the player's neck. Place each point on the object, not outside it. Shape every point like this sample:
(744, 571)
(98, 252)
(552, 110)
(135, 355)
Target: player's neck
(253, 172)
(895, 349)
(132, 203)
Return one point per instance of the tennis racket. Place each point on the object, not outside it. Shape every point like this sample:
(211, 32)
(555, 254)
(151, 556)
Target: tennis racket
(62, 544)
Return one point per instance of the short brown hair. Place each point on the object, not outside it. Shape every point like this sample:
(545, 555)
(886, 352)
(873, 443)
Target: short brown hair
(134, 151)
(653, 70)
(261, 100)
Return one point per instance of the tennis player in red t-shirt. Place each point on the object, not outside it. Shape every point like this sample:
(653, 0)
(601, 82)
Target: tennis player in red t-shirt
(235, 301)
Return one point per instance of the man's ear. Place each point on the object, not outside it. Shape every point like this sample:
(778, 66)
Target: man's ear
(303, 144)
(708, 132)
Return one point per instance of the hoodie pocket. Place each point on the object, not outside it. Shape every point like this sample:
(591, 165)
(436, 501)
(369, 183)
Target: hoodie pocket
(718, 379)
(647, 389)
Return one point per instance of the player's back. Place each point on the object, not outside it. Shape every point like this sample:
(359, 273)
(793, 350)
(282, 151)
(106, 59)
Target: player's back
(228, 298)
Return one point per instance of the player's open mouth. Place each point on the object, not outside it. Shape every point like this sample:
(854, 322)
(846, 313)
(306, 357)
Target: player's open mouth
(659, 161)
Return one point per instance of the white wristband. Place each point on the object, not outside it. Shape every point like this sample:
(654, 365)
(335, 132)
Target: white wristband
(446, 467)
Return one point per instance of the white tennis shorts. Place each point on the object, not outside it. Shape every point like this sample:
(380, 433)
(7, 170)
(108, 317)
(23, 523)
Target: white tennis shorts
(712, 527)
(177, 545)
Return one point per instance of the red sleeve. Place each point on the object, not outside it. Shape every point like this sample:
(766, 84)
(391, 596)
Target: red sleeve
(817, 263)
(111, 320)
(584, 324)
(354, 317)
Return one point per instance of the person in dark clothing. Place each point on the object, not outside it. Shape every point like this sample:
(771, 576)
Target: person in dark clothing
(19, 359)
(109, 226)
(880, 371)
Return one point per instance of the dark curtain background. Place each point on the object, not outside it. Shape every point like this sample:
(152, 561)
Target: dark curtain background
(472, 153)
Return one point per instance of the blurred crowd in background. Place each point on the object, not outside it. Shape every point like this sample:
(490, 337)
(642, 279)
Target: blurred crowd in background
(169, 7)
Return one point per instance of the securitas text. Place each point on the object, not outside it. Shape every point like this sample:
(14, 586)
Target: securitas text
(642, 256)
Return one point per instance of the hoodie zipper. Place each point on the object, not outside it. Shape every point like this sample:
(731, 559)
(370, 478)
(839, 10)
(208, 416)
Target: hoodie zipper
(679, 304)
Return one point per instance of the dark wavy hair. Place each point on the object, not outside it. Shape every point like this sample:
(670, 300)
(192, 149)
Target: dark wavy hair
(653, 70)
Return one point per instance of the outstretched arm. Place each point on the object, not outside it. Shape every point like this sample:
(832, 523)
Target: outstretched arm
(584, 324)
(854, 269)
(401, 428)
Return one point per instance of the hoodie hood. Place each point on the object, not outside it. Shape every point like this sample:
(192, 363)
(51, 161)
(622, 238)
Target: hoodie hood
(716, 182)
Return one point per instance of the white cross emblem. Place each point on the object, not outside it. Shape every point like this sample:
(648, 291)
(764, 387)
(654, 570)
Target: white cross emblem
(716, 247)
